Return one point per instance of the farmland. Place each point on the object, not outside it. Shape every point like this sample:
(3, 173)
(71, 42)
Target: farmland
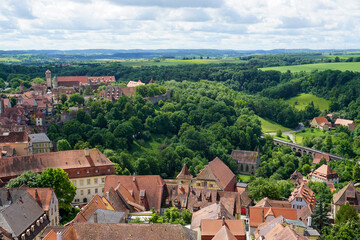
(342, 66)
(301, 101)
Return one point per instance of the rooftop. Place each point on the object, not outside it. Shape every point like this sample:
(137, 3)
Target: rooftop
(39, 138)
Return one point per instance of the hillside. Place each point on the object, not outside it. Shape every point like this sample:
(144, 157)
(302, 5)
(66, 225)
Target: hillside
(302, 100)
(342, 66)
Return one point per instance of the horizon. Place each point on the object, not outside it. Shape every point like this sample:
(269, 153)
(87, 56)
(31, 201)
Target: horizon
(172, 24)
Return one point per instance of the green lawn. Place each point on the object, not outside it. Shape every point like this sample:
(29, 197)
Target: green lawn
(243, 178)
(269, 126)
(171, 62)
(308, 132)
(284, 138)
(304, 99)
(151, 146)
(342, 66)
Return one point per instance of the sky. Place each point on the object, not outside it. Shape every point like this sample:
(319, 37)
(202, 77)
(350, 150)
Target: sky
(179, 24)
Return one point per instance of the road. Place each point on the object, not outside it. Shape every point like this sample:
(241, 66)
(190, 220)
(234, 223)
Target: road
(290, 133)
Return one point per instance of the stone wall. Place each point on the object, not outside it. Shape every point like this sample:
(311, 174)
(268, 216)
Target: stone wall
(157, 98)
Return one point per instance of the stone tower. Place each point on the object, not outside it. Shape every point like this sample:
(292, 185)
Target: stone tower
(55, 82)
(48, 78)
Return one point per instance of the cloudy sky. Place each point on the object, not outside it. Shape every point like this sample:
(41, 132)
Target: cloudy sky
(162, 24)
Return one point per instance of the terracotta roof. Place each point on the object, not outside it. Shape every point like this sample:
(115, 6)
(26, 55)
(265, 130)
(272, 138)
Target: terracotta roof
(184, 173)
(74, 162)
(264, 228)
(14, 137)
(102, 79)
(320, 120)
(319, 156)
(242, 156)
(177, 194)
(331, 186)
(153, 185)
(324, 172)
(257, 213)
(213, 211)
(304, 213)
(287, 234)
(266, 202)
(81, 79)
(210, 227)
(43, 195)
(67, 85)
(224, 234)
(304, 192)
(349, 194)
(116, 200)
(87, 211)
(95, 231)
(218, 171)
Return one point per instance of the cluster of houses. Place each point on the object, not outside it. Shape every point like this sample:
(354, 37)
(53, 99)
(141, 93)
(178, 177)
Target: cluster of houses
(221, 207)
(332, 121)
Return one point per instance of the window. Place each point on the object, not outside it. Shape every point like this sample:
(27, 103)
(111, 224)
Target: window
(95, 180)
(102, 180)
(74, 182)
(96, 190)
(198, 184)
(81, 182)
(102, 190)
(81, 192)
(88, 181)
(89, 191)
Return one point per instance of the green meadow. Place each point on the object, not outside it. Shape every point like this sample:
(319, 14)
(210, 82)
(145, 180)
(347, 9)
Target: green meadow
(269, 126)
(342, 66)
(302, 100)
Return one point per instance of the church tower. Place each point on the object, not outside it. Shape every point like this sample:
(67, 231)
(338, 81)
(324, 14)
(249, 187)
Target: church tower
(48, 78)
(55, 82)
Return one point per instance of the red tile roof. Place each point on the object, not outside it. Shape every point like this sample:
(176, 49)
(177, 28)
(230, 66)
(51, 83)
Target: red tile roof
(184, 173)
(153, 185)
(266, 202)
(44, 196)
(304, 213)
(102, 79)
(86, 212)
(224, 234)
(348, 194)
(324, 172)
(218, 171)
(319, 156)
(81, 79)
(210, 227)
(213, 211)
(14, 137)
(320, 120)
(304, 192)
(74, 162)
(258, 214)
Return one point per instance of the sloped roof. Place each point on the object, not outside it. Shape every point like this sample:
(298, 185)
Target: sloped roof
(209, 227)
(39, 138)
(14, 137)
(304, 213)
(266, 202)
(304, 192)
(349, 191)
(343, 122)
(107, 216)
(152, 184)
(95, 231)
(67, 160)
(257, 213)
(88, 210)
(102, 79)
(287, 234)
(242, 156)
(320, 120)
(319, 156)
(213, 211)
(81, 79)
(324, 172)
(44, 196)
(218, 171)
(224, 234)
(266, 227)
(184, 173)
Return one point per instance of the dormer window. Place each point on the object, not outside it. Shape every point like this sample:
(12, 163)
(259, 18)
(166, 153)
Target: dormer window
(77, 172)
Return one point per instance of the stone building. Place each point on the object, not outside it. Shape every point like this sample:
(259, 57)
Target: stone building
(247, 161)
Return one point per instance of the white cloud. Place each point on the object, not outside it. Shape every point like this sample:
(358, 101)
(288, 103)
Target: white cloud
(222, 24)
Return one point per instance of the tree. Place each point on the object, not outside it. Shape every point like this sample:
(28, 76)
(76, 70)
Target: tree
(63, 98)
(279, 133)
(173, 216)
(347, 230)
(76, 99)
(261, 188)
(59, 181)
(13, 101)
(319, 215)
(345, 213)
(63, 145)
(28, 178)
(356, 173)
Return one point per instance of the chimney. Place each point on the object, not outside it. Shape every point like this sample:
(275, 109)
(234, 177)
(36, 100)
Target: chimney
(134, 179)
(309, 221)
(223, 221)
(87, 152)
(58, 236)
(95, 217)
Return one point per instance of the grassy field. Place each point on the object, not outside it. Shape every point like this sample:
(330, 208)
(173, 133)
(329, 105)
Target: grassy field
(9, 59)
(243, 178)
(302, 100)
(342, 66)
(284, 138)
(307, 132)
(269, 126)
(171, 62)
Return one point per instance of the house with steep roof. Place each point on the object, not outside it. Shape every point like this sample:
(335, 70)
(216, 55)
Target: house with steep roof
(302, 196)
(210, 228)
(213, 211)
(39, 143)
(259, 215)
(324, 174)
(247, 161)
(20, 215)
(184, 176)
(350, 124)
(141, 192)
(297, 178)
(17, 141)
(215, 176)
(95, 231)
(224, 234)
(321, 123)
(318, 157)
(266, 202)
(304, 214)
(348, 194)
(47, 200)
(86, 169)
(176, 195)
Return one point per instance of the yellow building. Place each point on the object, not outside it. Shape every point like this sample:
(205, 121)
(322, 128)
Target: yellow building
(87, 188)
(17, 141)
(39, 143)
